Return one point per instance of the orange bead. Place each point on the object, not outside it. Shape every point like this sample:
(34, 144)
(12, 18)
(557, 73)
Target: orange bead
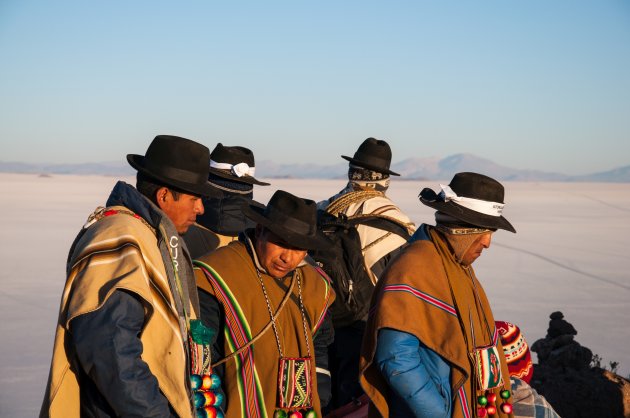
(206, 382)
(211, 411)
(210, 398)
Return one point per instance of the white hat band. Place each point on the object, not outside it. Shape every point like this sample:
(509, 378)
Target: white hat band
(481, 206)
(239, 170)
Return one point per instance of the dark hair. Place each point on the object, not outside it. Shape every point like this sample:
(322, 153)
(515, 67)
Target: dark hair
(148, 186)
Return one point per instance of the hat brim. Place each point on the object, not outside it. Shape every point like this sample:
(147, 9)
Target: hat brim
(429, 198)
(245, 179)
(199, 189)
(370, 166)
(312, 242)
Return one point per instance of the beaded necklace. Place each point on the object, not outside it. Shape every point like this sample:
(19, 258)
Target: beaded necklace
(294, 374)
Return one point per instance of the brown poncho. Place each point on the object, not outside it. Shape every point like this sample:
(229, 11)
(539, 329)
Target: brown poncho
(414, 296)
(250, 380)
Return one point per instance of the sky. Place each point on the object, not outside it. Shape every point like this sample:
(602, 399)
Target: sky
(535, 84)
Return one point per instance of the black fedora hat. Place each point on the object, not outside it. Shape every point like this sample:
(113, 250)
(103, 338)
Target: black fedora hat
(177, 162)
(234, 163)
(291, 218)
(472, 198)
(373, 154)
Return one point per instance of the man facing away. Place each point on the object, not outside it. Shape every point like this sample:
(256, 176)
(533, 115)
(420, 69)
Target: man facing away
(272, 308)
(232, 171)
(122, 342)
(431, 348)
(368, 180)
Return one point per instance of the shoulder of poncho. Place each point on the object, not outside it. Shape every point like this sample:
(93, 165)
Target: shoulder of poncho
(112, 231)
(317, 278)
(230, 256)
(111, 249)
(412, 265)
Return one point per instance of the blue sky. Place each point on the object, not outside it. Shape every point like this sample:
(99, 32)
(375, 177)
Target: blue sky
(531, 84)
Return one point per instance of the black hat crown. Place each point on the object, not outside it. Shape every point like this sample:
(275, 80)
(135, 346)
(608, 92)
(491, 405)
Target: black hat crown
(373, 154)
(177, 162)
(477, 186)
(472, 186)
(233, 156)
(291, 218)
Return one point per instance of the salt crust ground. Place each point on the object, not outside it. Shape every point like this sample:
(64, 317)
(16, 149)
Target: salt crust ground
(570, 254)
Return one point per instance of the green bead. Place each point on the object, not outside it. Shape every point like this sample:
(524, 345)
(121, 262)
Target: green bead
(482, 400)
(311, 414)
(280, 413)
(195, 381)
(199, 399)
(505, 394)
(216, 381)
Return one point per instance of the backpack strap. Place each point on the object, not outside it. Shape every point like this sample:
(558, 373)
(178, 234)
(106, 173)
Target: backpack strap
(386, 223)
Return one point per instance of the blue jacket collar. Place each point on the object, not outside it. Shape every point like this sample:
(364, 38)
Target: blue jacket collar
(128, 196)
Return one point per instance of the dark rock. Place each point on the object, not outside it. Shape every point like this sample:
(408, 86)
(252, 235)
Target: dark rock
(584, 393)
(564, 376)
(572, 356)
(559, 348)
(558, 326)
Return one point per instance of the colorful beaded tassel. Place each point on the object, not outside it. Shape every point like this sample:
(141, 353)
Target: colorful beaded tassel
(205, 397)
(487, 404)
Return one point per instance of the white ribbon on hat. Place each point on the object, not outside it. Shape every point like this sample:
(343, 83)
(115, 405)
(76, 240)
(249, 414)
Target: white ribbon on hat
(239, 170)
(481, 206)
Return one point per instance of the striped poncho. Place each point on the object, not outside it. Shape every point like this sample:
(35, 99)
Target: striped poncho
(120, 252)
(414, 296)
(251, 378)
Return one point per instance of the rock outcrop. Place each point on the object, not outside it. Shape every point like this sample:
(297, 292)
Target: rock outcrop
(566, 377)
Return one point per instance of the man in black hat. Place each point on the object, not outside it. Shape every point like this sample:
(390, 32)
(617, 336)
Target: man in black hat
(364, 195)
(271, 308)
(431, 346)
(122, 342)
(232, 171)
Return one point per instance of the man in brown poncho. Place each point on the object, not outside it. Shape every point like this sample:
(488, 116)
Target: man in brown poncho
(271, 307)
(431, 348)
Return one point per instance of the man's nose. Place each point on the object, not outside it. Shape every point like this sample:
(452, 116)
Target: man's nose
(199, 209)
(486, 240)
(288, 255)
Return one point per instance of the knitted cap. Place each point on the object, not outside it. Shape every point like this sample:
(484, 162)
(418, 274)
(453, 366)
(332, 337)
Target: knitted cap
(516, 350)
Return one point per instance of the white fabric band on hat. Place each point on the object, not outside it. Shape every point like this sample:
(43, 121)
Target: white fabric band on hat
(481, 206)
(240, 169)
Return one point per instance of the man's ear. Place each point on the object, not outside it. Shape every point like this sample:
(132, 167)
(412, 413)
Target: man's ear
(160, 196)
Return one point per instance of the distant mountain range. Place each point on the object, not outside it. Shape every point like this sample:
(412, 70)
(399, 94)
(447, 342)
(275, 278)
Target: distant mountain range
(410, 169)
